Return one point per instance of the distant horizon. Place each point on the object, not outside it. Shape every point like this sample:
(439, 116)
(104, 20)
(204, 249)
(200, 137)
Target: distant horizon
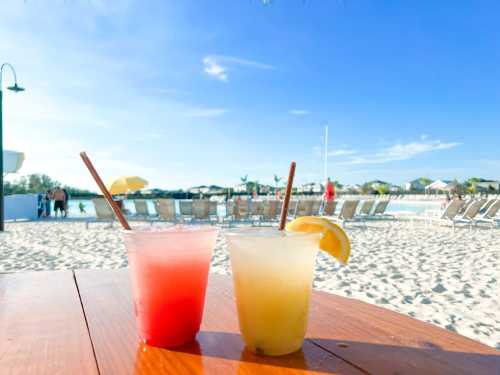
(190, 93)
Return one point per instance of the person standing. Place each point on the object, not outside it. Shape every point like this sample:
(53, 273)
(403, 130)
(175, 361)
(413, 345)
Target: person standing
(41, 204)
(328, 195)
(47, 198)
(66, 200)
(59, 197)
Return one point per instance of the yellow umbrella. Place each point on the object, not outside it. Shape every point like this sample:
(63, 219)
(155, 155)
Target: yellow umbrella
(126, 184)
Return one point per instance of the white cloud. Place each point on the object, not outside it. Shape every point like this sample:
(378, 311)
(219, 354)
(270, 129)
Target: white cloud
(299, 112)
(212, 68)
(400, 152)
(217, 66)
(342, 152)
(206, 112)
(239, 61)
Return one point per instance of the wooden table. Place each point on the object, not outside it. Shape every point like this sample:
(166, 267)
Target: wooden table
(82, 322)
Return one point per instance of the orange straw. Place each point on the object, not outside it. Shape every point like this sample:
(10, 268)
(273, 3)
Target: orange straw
(286, 202)
(105, 191)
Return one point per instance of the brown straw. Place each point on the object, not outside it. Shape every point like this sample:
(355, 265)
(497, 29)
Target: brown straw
(286, 202)
(105, 191)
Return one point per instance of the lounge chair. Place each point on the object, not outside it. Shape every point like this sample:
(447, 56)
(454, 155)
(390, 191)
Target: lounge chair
(304, 208)
(256, 209)
(347, 212)
(103, 212)
(379, 210)
(466, 204)
(186, 209)
(470, 213)
(201, 209)
(270, 211)
(450, 212)
(316, 206)
(230, 207)
(329, 208)
(166, 209)
(366, 208)
(487, 205)
(490, 215)
(212, 210)
(241, 210)
(141, 208)
(292, 208)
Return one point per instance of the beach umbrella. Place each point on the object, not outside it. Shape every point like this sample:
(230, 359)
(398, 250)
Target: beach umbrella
(13, 161)
(126, 184)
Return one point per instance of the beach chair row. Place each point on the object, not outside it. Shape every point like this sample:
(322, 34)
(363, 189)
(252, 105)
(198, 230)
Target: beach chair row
(470, 212)
(359, 211)
(252, 211)
(165, 210)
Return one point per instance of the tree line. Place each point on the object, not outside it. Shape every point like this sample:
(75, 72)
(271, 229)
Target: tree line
(40, 183)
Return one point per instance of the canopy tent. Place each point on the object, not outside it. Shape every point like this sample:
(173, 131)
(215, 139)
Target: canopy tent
(442, 185)
(12, 161)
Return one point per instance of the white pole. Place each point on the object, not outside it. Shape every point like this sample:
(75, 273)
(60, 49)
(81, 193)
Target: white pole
(326, 153)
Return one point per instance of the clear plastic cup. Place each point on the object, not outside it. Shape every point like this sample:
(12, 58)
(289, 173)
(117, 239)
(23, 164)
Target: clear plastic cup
(169, 271)
(272, 273)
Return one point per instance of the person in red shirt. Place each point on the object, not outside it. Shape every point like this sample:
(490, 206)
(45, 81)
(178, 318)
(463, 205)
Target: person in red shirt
(329, 195)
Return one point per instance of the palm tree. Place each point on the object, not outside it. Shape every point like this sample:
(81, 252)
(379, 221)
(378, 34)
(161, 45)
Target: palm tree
(277, 180)
(244, 180)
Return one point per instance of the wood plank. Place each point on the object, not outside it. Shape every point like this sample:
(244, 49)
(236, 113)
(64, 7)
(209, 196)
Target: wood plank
(381, 341)
(218, 350)
(42, 327)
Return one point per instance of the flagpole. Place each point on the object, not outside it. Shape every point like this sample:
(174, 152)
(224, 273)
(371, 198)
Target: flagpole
(326, 153)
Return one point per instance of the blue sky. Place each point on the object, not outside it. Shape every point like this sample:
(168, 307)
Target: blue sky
(205, 91)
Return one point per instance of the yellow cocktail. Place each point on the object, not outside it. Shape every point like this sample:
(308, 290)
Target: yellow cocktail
(272, 273)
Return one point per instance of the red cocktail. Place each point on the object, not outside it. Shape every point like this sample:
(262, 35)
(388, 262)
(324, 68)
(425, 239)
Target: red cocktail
(169, 270)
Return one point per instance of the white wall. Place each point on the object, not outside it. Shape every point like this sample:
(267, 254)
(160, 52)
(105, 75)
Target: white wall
(21, 206)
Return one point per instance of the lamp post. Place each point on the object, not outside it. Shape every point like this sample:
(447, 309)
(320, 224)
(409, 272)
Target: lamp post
(14, 88)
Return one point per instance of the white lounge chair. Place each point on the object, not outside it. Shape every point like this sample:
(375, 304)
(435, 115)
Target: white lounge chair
(141, 208)
(186, 209)
(347, 212)
(201, 209)
(256, 209)
(379, 210)
(329, 208)
(487, 205)
(470, 213)
(230, 207)
(103, 212)
(292, 208)
(304, 208)
(212, 211)
(270, 211)
(490, 215)
(241, 210)
(166, 209)
(316, 206)
(366, 208)
(449, 214)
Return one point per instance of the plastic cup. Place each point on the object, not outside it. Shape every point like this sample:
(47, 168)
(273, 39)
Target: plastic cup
(169, 271)
(272, 273)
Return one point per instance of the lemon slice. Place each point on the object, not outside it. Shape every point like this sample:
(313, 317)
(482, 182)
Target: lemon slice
(334, 240)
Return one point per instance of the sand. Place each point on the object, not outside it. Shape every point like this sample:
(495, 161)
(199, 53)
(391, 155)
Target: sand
(447, 277)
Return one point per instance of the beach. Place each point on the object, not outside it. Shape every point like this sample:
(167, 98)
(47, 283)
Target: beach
(447, 277)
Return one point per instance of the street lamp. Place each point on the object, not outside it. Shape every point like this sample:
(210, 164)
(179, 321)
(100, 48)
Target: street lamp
(15, 88)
